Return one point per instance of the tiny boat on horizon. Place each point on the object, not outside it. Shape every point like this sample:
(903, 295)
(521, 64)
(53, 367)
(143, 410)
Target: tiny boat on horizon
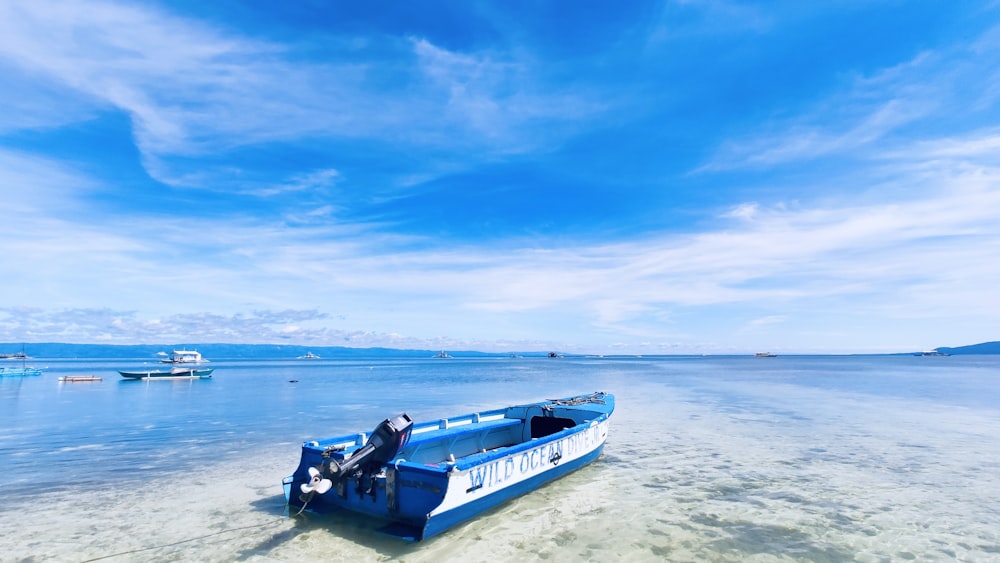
(423, 478)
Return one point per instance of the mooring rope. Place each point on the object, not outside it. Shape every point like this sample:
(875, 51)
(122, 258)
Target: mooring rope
(140, 550)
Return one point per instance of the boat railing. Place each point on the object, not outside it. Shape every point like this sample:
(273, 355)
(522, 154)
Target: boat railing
(446, 423)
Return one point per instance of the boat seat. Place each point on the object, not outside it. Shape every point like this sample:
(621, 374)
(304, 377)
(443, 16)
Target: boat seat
(435, 446)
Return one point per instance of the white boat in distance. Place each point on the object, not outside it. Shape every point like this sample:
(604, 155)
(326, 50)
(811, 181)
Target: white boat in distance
(308, 356)
(184, 357)
(934, 352)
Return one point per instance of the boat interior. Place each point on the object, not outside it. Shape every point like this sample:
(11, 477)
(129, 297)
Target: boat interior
(446, 440)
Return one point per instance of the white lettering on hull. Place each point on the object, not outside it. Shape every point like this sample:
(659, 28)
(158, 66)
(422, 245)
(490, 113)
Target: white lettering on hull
(466, 486)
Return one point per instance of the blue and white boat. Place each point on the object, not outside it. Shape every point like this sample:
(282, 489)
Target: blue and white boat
(23, 371)
(19, 372)
(423, 478)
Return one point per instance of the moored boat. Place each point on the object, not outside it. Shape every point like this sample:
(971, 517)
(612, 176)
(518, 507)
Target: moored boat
(24, 370)
(79, 378)
(175, 373)
(423, 478)
(19, 372)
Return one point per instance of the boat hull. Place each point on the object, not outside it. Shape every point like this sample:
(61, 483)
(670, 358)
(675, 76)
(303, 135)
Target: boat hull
(426, 489)
(456, 509)
(172, 374)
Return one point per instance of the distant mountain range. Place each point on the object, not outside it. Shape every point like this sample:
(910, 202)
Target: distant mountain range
(984, 348)
(279, 351)
(225, 351)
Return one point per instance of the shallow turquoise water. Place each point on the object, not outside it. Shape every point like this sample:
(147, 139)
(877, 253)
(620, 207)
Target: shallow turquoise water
(711, 459)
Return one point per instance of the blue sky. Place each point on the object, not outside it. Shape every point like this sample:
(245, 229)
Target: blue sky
(655, 178)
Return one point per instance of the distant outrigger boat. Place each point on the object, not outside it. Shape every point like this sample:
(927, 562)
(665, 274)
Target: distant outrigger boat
(424, 478)
(19, 372)
(184, 357)
(175, 373)
(22, 371)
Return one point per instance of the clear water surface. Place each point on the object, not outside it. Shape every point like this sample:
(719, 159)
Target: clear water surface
(859, 458)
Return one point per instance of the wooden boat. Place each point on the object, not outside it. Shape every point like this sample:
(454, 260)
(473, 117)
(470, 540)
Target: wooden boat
(80, 378)
(423, 478)
(175, 373)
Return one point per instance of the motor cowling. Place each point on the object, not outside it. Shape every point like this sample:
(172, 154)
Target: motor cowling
(386, 440)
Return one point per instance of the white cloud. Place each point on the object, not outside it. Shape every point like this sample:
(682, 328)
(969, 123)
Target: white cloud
(867, 111)
(744, 211)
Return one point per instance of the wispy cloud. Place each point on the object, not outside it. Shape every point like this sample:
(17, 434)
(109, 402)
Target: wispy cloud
(869, 112)
(191, 89)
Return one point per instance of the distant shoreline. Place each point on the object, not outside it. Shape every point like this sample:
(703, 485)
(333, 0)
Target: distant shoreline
(57, 350)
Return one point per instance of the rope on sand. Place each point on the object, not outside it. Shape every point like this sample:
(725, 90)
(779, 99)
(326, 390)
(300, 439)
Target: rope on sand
(140, 550)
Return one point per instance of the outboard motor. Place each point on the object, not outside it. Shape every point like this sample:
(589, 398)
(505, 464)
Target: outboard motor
(385, 442)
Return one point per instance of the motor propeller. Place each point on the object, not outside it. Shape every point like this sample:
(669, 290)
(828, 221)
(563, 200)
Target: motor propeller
(317, 483)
